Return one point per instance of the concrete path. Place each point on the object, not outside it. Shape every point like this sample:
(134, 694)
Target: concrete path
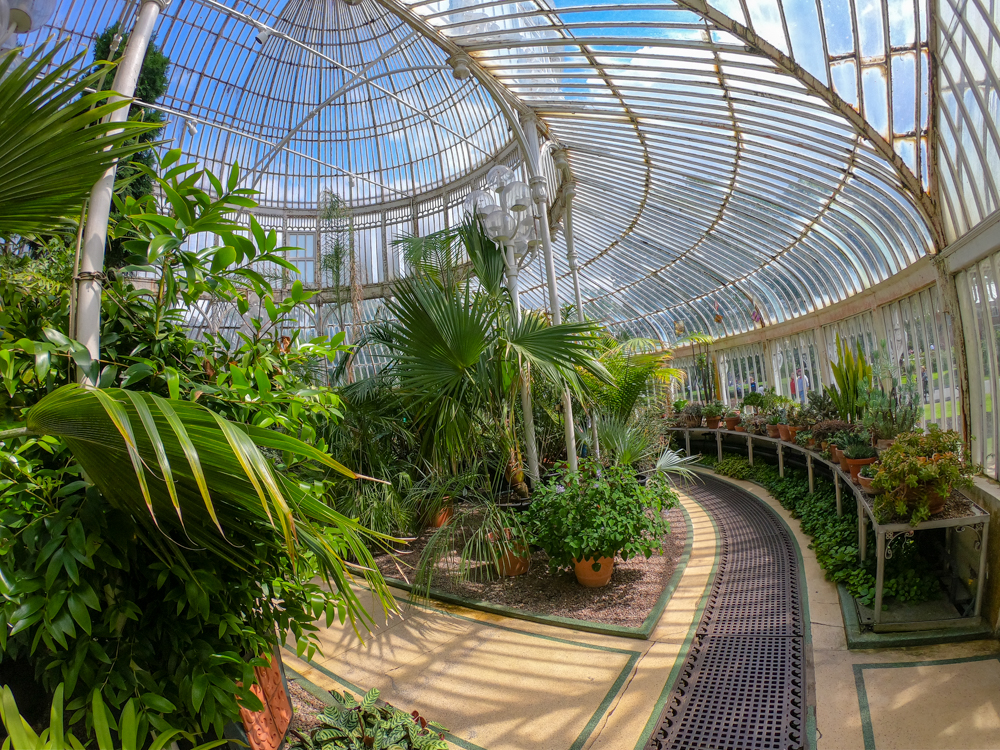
(506, 684)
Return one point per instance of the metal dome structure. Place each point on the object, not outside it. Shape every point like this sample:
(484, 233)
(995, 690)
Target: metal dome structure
(761, 171)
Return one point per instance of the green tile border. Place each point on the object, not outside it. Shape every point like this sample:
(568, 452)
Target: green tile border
(588, 729)
(867, 729)
(810, 707)
(641, 632)
(682, 654)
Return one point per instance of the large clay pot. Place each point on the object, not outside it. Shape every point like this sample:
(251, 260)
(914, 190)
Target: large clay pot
(792, 432)
(731, 422)
(935, 500)
(692, 421)
(773, 431)
(855, 464)
(843, 460)
(587, 576)
(866, 484)
(514, 562)
(712, 423)
(783, 432)
(443, 516)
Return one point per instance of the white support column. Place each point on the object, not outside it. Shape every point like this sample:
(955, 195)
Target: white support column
(531, 446)
(539, 195)
(91, 276)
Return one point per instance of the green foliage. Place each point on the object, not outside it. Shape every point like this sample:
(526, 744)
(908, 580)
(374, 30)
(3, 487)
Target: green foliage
(852, 374)
(935, 461)
(350, 724)
(693, 410)
(626, 444)
(631, 365)
(55, 139)
(820, 407)
(856, 450)
(909, 577)
(714, 410)
(888, 413)
(598, 512)
(56, 737)
(803, 437)
(824, 431)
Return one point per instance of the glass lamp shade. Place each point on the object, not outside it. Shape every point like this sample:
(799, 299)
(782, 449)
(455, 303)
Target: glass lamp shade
(499, 177)
(516, 197)
(30, 15)
(499, 225)
(478, 203)
(525, 229)
(520, 247)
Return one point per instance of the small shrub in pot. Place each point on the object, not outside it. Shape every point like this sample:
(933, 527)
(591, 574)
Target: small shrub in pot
(598, 512)
(692, 414)
(713, 414)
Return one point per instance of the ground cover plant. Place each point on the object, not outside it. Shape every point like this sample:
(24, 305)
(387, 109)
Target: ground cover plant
(909, 575)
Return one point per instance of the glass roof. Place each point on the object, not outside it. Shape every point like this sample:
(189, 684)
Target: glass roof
(737, 163)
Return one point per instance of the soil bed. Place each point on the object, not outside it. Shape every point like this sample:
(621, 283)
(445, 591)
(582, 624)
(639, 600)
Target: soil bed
(635, 585)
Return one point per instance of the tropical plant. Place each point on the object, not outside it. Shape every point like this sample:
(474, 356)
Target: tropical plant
(886, 414)
(126, 733)
(625, 444)
(598, 512)
(852, 374)
(630, 365)
(714, 410)
(349, 724)
(935, 461)
(819, 408)
(672, 463)
(57, 139)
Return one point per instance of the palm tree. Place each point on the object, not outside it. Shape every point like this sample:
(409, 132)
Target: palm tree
(192, 478)
(55, 142)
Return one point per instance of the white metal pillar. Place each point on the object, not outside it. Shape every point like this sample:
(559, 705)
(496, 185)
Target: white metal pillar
(539, 195)
(531, 447)
(90, 279)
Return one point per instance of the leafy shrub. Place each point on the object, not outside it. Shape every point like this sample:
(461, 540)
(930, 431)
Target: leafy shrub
(936, 460)
(599, 512)
(823, 431)
(352, 725)
(714, 410)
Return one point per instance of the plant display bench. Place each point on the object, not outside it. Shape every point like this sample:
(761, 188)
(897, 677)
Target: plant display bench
(949, 612)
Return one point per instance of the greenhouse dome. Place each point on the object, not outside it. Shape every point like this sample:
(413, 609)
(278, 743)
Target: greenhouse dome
(734, 262)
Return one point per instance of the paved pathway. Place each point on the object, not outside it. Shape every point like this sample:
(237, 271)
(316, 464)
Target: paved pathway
(506, 684)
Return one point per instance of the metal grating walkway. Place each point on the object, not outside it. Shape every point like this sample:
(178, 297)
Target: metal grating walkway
(742, 686)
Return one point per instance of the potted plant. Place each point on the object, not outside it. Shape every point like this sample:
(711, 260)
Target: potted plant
(890, 411)
(732, 419)
(805, 439)
(512, 557)
(692, 414)
(773, 424)
(920, 469)
(859, 453)
(783, 432)
(713, 414)
(584, 519)
(824, 431)
(866, 475)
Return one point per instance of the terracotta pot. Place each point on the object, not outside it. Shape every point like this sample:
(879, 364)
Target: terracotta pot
(823, 445)
(843, 460)
(855, 464)
(739, 428)
(731, 422)
(692, 421)
(792, 432)
(587, 576)
(811, 445)
(783, 431)
(514, 562)
(442, 517)
(712, 423)
(773, 431)
(866, 484)
(935, 500)
(834, 452)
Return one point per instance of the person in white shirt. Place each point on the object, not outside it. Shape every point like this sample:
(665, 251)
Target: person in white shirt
(801, 385)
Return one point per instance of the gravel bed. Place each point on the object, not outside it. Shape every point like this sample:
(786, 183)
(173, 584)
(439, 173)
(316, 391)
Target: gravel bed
(307, 709)
(635, 585)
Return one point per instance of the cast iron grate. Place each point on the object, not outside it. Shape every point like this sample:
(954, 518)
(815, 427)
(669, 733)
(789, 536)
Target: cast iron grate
(743, 683)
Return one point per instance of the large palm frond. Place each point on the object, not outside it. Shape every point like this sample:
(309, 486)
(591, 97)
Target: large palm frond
(201, 480)
(52, 139)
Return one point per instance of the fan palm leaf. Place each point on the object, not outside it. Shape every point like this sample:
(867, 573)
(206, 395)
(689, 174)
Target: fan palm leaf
(54, 142)
(200, 479)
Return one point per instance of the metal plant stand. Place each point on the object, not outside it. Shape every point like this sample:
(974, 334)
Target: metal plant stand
(976, 521)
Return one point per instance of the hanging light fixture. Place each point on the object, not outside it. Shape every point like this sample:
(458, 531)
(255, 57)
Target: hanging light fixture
(499, 177)
(478, 203)
(500, 226)
(516, 196)
(28, 15)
